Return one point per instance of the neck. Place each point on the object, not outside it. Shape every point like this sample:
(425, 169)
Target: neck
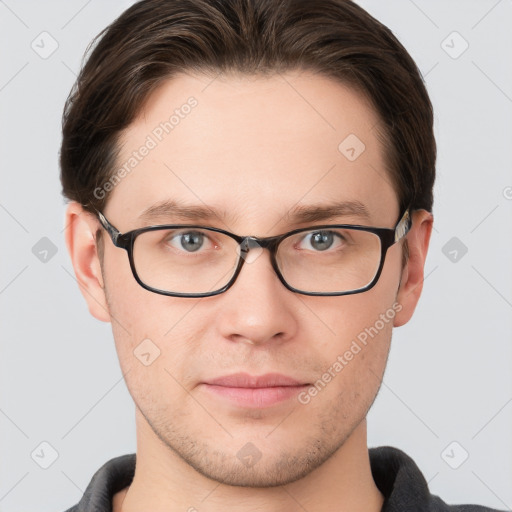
(165, 482)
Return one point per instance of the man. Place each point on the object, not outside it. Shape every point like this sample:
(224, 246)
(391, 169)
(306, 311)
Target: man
(250, 188)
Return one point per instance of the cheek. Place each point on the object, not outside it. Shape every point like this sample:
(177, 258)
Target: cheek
(352, 317)
(154, 346)
(136, 312)
(152, 332)
(353, 366)
(355, 340)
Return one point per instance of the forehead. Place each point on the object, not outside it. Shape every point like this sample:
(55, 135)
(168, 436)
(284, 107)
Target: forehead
(254, 146)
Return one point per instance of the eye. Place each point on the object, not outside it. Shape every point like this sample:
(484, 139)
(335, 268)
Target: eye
(321, 240)
(190, 241)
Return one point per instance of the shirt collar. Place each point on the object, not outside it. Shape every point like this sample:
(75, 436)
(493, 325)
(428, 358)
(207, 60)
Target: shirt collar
(396, 475)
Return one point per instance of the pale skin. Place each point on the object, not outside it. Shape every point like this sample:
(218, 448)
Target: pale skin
(254, 151)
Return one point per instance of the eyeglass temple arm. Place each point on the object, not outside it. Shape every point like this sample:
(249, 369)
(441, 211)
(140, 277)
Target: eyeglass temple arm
(403, 226)
(111, 230)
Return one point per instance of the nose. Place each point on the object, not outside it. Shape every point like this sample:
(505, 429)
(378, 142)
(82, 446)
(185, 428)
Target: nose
(257, 308)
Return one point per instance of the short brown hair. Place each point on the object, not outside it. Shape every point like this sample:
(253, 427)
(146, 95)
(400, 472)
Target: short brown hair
(154, 40)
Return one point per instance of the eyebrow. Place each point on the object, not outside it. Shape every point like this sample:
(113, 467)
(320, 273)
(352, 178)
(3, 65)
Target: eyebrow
(297, 215)
(320, 212)
(170, 208)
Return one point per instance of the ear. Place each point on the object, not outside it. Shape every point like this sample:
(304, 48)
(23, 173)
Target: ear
(81, 227)
(411, 282)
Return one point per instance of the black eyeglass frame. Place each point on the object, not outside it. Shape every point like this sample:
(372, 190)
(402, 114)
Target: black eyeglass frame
(387, 236)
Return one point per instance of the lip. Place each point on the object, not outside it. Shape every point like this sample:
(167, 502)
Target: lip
(245, 380)
(253, 391)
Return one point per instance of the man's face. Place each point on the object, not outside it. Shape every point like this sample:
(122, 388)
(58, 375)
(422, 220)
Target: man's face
(253, 150)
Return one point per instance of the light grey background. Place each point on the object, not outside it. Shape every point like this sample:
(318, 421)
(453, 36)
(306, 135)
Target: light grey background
(449, 375)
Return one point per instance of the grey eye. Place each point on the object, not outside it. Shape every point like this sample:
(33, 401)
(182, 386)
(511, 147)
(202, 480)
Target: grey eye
(321, 240)
(191, 241)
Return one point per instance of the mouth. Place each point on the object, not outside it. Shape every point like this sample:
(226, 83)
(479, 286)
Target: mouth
(252, 391)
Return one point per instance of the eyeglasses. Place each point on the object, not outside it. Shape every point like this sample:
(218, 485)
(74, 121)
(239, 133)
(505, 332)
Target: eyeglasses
(197, 261)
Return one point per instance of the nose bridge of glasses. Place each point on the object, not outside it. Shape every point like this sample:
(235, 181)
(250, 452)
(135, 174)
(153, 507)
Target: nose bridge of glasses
(258, 244)
(251, 248)
(250, 242)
